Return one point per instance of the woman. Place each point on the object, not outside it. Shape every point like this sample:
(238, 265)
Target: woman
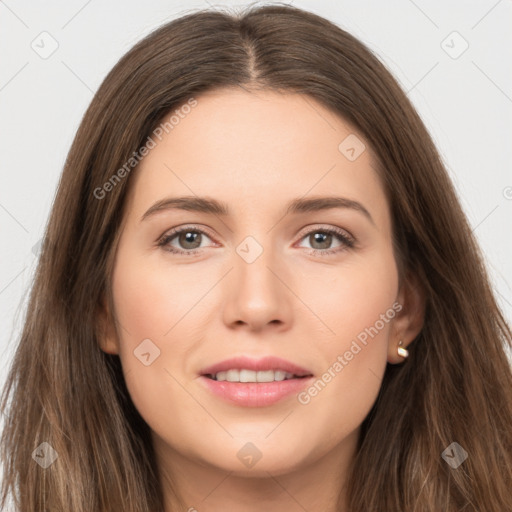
(363, 371)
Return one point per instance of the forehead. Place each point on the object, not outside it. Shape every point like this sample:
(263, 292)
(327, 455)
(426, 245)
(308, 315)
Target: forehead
(257, 148)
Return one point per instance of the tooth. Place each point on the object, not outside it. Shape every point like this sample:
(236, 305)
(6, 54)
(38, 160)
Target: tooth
(244, 375)
(265, 376)
(279, 375)
(233, 376)
(247, 376)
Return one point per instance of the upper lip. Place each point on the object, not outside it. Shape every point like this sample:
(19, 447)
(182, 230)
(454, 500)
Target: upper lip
(265, 363)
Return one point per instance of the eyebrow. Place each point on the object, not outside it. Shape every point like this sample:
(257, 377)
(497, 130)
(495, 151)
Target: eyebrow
(214, 207)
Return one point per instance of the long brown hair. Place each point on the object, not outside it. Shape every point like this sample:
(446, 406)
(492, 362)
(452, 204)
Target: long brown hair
(456, 385)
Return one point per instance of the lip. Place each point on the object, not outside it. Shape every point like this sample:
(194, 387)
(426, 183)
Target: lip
(266, 363)
(256, 394)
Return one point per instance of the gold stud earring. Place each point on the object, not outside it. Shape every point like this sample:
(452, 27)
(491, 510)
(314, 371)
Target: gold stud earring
(402, 352)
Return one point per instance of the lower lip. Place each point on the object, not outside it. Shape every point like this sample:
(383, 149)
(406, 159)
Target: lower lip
(255, 394)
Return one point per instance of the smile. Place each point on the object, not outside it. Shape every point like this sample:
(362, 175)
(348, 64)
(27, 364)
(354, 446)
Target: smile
(249, 382)
(245, 375)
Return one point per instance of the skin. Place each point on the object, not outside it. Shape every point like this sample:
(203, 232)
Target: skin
(256, 152)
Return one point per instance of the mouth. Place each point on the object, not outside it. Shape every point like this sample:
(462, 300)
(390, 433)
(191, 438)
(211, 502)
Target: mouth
(255, 383)
(245, 375)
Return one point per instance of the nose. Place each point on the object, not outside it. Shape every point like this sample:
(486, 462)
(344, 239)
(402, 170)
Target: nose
(258, 297)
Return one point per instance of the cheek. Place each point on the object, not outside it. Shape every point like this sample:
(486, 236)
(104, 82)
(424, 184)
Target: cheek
(156, 309)
(150, 311)
(350, 299)
(358, 309)
(151, 300)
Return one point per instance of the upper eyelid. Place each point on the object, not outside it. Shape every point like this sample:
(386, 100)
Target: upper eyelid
(179, 229)
(320, 227)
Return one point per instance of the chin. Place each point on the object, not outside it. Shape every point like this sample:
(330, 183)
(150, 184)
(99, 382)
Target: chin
(256, 459)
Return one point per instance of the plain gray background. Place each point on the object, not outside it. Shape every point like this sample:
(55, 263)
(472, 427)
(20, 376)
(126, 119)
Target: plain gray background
(464, 96)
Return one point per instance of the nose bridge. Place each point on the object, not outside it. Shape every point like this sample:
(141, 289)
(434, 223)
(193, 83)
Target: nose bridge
(255, 256)
(258, 296)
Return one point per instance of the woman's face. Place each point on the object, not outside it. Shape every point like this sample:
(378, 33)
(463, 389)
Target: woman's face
(277, 275)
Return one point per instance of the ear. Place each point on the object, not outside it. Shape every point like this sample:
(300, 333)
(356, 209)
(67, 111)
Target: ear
(409, 320)
(106, 332)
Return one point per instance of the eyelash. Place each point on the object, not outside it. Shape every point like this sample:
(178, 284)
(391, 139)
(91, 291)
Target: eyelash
(348, 241)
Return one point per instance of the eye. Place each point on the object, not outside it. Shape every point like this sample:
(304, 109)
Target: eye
(189, 239)
(323, 238)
